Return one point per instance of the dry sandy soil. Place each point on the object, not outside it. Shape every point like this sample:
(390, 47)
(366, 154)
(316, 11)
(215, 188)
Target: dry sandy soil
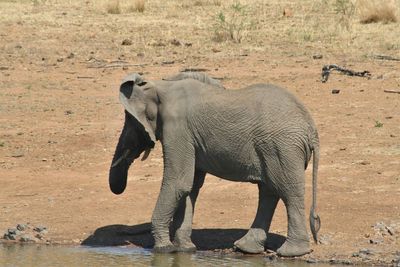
(60, 66)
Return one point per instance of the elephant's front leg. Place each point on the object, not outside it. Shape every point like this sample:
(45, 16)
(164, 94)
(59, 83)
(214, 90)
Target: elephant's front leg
(255, 238)
(177, 184)
(183, 218)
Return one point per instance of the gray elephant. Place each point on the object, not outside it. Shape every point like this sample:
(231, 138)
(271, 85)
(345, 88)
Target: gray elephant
(259, 134)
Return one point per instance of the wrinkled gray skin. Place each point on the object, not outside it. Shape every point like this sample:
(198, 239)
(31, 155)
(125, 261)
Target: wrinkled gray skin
(260, 134)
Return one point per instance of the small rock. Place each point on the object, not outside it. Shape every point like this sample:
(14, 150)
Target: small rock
(140, 54)
(390, 230)
(168, 62)
(40, 229)
(215, 50)
(60, 59)
(39, 236)
(376, 241)
(335, 91)
(27, 238)
(68, 112)
(176, 42)
(317, 56)
(126, 42)
(12, 231)
(71, 55)
(22, 227)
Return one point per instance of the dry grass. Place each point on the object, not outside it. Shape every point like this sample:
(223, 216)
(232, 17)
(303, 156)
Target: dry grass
(113, 7)
(372, 11)
(137, 6)
(232, 23)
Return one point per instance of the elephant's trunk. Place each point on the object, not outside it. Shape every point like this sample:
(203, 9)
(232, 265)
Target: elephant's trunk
(119, 166)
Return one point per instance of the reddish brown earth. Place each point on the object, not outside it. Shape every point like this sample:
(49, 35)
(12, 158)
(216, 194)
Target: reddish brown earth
(60, 121)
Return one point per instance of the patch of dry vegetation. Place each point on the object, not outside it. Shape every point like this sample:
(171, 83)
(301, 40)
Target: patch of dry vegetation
(233, 23)
(284, 27)
(372, 11)
(113, 7)
(137, 6)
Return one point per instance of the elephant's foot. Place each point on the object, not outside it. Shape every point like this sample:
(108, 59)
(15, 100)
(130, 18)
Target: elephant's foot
(186, 247)
(164, 248)
(252, 242)
(293, 248)
(183, 243)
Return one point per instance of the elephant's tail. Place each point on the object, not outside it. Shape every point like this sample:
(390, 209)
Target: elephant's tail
(315, 221)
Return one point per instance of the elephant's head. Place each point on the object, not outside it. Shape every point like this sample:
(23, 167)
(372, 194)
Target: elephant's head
(140, 100)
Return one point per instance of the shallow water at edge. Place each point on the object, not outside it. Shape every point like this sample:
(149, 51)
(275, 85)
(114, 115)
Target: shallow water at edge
(40, 255)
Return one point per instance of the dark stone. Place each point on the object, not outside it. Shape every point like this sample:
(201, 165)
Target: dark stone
(40, 229)
(317, 56)
(335, 91)
(126, 42)
(22, 227)
(176, 42)
(12, 231)
(376, 241)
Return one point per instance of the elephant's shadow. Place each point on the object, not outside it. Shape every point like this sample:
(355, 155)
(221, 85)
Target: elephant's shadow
(140, 236)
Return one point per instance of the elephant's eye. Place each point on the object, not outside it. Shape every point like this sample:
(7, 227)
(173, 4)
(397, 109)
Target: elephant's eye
(142, 83)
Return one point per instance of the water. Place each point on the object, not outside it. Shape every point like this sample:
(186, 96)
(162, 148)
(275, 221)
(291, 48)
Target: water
(39, 255)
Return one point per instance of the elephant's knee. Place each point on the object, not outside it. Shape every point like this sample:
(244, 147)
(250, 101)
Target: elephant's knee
(182, 190)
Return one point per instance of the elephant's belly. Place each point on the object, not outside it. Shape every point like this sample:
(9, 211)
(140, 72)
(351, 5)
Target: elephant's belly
(231, 167)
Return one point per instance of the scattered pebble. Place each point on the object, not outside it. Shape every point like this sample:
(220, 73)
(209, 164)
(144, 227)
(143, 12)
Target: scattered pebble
(376, 241)
(126, 42)
(176, 42)
(22, 227)
(335, 91)
(40, 229)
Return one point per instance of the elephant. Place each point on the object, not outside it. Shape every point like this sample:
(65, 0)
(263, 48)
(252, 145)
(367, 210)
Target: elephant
(260, 134)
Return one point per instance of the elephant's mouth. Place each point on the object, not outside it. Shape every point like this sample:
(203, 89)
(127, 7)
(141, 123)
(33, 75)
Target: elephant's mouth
(128, 157)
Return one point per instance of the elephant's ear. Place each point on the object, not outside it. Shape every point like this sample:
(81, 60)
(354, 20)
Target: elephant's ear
(132, 98)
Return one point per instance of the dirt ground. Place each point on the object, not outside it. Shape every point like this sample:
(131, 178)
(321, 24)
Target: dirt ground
(60, 67)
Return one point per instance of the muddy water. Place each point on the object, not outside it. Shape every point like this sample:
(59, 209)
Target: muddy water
(34, 255)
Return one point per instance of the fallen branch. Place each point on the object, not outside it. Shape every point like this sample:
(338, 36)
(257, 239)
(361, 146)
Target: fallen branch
(384, 57)
(194, 70)
(326, 70)
(391, 91)
(110, 66)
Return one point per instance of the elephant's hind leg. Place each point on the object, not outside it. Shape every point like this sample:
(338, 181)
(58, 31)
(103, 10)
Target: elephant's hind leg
(297, 241)
(255, 238)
